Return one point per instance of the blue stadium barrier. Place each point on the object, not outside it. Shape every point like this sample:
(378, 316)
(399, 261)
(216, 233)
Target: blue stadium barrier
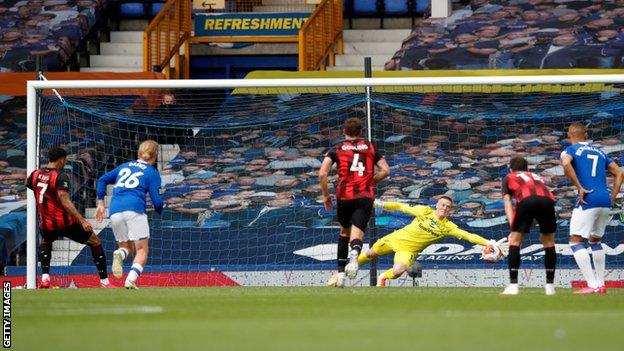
(396, 7)
(156, 7)
(380, 9)
(132, 10)
(365, 7)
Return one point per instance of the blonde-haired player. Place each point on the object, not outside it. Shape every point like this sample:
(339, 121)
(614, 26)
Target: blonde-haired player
(127, 208)
(429, 226)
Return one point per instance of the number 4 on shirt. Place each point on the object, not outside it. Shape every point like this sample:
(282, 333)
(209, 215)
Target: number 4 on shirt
(357, 166)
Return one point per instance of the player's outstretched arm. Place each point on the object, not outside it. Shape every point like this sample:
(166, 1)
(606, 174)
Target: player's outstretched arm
(502, 244)
(470, 237)
(397, 206)
(619, 177)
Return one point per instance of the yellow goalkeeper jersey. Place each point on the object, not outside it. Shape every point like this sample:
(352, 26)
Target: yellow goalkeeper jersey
(424, 230)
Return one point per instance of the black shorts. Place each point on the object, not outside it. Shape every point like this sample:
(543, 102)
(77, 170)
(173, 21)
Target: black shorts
(355, 212)
(73, 232)
(540, 208)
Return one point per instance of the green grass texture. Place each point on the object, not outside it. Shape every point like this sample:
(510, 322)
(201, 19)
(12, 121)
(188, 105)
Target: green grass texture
(304, 318)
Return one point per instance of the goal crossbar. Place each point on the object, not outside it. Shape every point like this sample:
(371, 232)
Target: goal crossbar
(325, 82)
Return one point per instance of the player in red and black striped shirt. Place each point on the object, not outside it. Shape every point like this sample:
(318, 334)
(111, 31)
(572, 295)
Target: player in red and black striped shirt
(533, 201)
(355, 160)
(58, 217)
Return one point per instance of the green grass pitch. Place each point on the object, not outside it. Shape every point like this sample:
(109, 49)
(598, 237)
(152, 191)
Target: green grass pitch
(249, 318)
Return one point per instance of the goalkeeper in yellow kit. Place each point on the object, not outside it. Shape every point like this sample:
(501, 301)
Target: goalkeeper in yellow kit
(429, 226)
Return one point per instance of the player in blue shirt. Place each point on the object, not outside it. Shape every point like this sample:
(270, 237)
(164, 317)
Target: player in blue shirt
(127, 208)
(586, 166)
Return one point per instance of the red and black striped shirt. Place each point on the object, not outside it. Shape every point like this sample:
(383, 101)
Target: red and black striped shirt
(46, 183)
(522, 185)
(355, 161)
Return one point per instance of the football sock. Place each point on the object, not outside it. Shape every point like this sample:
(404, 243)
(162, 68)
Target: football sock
(550, 263)
(343, 252)
(599, 258)
(362, 258)
(104, 281)
(124, 253)
(584, 262)
(134, 273)
(389, 274)
(100, 260)
(513, 262)
(356, 244)
(45, 276)
(45, 255)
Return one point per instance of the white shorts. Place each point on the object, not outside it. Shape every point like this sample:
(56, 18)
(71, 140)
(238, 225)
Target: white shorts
(129, 225)
(590, 222)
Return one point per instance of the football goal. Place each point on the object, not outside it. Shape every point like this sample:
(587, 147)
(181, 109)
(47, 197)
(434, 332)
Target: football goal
(239, 163)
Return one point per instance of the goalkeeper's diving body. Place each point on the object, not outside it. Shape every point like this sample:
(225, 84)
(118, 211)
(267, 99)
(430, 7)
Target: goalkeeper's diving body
(429, 226)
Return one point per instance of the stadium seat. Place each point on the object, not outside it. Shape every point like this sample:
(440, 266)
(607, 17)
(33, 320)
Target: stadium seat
(422, 6)
(396, 7)
(132, 10)
(156, 7)
(365, 7)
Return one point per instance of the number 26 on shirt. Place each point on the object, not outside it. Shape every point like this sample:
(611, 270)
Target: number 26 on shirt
(127, 179)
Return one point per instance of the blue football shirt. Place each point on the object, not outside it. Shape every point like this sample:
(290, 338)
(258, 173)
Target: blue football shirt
(132, 181)
(591, 164)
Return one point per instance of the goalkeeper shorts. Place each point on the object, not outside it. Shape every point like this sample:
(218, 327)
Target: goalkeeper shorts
(389, 244)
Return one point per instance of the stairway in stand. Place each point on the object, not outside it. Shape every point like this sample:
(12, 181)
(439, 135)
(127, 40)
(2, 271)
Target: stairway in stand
(379, 44)
(124, 52)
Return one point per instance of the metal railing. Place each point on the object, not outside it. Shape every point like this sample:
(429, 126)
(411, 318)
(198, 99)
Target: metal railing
(163, 38)
(321, 36)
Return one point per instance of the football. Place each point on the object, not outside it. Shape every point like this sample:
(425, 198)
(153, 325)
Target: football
(491, 253)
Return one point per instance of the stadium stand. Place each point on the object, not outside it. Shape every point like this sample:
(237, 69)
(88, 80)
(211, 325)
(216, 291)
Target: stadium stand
(52, 30)
(12, 173)
(508, 34)
(375, 29)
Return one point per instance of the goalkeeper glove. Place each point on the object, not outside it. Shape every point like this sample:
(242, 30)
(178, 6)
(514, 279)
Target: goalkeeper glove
(378, 204)
(502, 244)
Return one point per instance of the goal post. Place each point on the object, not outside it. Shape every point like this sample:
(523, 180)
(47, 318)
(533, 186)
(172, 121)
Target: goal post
(435, 131)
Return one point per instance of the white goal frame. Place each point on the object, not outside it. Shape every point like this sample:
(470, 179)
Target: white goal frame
(34, 86)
